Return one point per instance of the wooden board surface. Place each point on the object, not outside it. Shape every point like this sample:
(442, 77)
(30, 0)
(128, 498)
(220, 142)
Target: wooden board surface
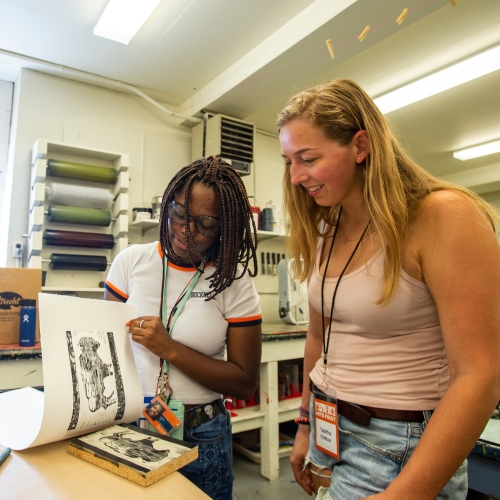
(50, 471)
(136, 454)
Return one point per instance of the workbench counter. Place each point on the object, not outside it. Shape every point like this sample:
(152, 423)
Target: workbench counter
(50, 471)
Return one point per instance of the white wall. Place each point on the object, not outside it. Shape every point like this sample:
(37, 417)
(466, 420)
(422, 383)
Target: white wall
(6, 91)
(269, 169)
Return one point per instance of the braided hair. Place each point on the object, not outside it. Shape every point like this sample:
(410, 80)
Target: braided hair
(237, 242)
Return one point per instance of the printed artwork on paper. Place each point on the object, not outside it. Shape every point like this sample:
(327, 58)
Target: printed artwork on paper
(145, 451)
(98, 392)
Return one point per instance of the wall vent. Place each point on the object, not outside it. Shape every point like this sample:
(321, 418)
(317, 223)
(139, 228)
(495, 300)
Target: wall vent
(227, 137)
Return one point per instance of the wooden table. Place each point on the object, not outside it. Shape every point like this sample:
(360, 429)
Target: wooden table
(50, 472)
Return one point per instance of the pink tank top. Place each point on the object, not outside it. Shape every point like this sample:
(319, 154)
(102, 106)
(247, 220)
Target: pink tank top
(387, 357)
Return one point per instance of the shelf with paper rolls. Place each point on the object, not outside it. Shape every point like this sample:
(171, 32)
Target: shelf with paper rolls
(78, 214)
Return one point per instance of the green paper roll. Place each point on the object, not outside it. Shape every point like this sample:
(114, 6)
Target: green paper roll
(76, 215)
(69, 169)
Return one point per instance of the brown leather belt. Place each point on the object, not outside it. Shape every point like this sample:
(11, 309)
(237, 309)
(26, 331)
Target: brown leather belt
(361, 415)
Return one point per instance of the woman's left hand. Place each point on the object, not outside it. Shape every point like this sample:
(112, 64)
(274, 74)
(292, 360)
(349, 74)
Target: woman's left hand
(150, 333)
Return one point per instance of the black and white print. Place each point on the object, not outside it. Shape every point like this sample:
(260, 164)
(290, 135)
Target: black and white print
(145, 451)
(98, 392)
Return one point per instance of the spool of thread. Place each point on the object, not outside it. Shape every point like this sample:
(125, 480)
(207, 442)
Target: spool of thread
(72, 170)
(55, 237)
(74, 215)
(78, 196)
(66, 262)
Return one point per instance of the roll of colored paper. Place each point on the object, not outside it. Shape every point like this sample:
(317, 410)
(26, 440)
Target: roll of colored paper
(77, 239)
(61, 261)
(74, 215)
(72, 170)
(78, 196)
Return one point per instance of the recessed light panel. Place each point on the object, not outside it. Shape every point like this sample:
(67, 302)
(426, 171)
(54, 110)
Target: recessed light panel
(462, 72)
(122, 19)
(477, 151)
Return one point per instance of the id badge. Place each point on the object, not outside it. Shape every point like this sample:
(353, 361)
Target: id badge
(326, 424)
(161, 417)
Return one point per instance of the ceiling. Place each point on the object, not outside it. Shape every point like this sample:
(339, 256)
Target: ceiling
(245, 58)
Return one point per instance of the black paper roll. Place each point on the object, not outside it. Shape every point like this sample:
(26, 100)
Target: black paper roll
(61, 261)
(77, 239)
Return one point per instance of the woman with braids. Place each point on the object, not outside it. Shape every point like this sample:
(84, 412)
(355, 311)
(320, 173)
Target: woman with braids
(403, 277)
(195, 301)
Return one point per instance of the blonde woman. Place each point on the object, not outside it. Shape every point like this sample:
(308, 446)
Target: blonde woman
(403, 273)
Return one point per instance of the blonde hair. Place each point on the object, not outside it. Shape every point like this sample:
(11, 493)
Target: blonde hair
(393, 184)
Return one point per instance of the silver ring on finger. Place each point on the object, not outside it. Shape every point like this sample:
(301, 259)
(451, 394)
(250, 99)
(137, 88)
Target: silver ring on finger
(140, 324)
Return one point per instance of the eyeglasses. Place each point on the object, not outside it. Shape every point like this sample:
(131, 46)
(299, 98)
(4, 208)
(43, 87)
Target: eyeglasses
(206, 225)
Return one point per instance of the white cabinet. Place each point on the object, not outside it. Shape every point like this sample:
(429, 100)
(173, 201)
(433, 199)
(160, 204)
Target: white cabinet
(271, 411)
(39, 254)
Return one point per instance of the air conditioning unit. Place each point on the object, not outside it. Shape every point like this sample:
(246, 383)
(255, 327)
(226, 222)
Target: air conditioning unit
(227, 137)
(292, 296)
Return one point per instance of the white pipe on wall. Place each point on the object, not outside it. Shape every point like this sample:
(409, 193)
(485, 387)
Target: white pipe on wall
(98, 79)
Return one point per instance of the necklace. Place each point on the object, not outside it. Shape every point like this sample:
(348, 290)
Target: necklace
(326, 337)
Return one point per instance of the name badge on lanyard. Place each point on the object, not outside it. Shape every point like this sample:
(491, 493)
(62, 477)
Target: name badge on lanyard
(326, 425)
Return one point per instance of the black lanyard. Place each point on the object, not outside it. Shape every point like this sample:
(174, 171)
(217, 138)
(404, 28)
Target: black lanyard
(326, 338)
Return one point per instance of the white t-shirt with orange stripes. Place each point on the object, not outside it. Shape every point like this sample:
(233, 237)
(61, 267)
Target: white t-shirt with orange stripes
(135, 277)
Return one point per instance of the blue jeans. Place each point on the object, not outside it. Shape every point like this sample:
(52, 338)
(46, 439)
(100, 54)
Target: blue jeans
(212, 472)
(372, 456)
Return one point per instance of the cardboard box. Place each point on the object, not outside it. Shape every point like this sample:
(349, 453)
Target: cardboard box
(15, 285)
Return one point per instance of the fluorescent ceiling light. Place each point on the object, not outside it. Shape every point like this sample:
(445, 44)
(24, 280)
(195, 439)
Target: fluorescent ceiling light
(462, 72)
(477, 151)
(122, 19)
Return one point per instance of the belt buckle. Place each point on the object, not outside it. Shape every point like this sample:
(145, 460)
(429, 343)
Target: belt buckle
(199, 415)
